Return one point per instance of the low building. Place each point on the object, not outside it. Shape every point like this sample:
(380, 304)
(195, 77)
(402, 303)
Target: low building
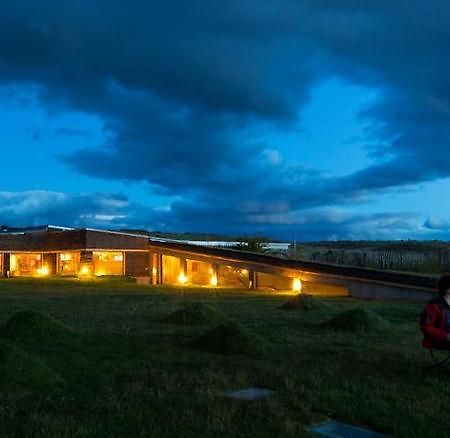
(43, 251)
(61, 251)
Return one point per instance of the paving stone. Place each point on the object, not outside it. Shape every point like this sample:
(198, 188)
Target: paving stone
(250, 393)
(336, 429)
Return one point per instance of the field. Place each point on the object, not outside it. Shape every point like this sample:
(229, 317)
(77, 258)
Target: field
(98, 359)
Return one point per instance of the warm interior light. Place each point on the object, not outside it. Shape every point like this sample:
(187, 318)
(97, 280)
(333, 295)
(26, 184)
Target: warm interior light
(244, 271)
(154, 271)
(43, 271)
(100, 273)
(85, 270)
(118, 258)
(13, 263)
(211, 271)
(213, 280)
(182, 279)
(297, 285)
(65, 257)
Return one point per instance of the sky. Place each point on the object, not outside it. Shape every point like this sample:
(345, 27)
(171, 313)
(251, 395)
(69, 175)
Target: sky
(306, 120)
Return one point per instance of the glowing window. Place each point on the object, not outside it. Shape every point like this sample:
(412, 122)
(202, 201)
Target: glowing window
(69, 263)
(108, 263)
(25, 264)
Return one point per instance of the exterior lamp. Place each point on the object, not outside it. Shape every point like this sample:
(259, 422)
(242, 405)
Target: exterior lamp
(85, 270)
(297, 285)
(213, 281)
(44, 271)
(182, 279)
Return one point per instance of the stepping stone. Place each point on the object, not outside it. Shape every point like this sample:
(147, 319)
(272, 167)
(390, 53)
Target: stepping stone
(250, 393)
(336, 429)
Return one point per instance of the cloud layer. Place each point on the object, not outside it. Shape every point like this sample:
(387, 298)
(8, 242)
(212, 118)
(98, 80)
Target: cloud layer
(179, 85)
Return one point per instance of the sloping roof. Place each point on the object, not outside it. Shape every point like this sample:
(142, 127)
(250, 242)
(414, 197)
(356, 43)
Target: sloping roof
(393, 277)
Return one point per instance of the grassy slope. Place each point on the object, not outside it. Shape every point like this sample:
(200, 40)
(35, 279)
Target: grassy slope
(125, 373)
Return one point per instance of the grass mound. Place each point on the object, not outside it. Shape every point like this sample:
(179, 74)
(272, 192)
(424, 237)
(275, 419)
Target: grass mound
(231, 338)
(356, 320)
(304, 302)
(30, 324)
(196, 313)
(21, 371)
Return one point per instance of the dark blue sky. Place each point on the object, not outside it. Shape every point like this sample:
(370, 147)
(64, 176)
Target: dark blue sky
(327, 120)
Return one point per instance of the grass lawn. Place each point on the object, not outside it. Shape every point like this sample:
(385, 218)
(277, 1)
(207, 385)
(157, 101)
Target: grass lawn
(107, 365)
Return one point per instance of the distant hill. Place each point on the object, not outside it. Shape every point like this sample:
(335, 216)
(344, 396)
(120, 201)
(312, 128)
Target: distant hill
(193, 236)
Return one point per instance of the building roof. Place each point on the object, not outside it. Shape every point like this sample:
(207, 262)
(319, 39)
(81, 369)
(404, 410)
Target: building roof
(6, 229)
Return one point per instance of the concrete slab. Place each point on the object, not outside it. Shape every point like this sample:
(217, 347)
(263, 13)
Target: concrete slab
(250, 393)
(336, 429)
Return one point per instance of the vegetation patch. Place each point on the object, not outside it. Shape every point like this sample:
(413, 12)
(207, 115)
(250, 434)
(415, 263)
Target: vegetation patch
(356, 320)
(21, 372)
(196, 314)
(304, 302)
(122, 374)
(231, 338)
(34, 325)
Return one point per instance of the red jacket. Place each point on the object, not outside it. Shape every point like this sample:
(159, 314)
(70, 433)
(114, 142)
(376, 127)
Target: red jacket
(435, 324)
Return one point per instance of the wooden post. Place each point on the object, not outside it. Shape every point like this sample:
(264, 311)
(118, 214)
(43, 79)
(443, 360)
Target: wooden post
(6, 264)
(159, 267)
(252, 279)
(215, 270)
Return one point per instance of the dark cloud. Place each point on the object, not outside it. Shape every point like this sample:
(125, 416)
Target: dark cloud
(36, 207)
(117, 212)
(177, 84)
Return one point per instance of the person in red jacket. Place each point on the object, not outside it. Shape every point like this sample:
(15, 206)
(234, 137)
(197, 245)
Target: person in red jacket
(435, 318)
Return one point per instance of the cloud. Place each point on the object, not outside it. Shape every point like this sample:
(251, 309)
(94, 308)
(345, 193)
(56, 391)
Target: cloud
(115, 211)
(47, 207)
(437, 224)
(178, 85)
(71, 132)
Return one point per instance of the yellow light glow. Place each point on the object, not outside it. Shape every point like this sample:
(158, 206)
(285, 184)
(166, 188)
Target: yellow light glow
(297, 285)
(118, 258)
(213, 280)
(44, 271)
(154, 271)
(65, 257)
(182, 279)
(13, 263)
(210, 271)
(100, 273)
(85, 270)
(244, 271)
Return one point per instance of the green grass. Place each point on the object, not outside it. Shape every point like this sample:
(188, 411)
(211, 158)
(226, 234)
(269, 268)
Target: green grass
(196, 313)
(231, 338)
(92, 358)
(357, 320)
(304, 302)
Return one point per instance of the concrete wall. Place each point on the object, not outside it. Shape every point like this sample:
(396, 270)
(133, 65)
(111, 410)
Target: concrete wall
(323, 289)
(383, 291)
(359, 288)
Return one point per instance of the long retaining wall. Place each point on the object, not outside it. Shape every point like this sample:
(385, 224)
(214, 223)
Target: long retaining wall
(317, 278)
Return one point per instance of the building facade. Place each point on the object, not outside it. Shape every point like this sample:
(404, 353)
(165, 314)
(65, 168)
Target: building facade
(67, 252)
